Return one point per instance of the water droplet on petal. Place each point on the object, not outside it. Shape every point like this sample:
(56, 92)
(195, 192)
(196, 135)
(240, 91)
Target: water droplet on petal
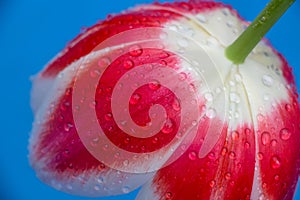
(232, 155)
(108, 116)
(68, 126)
(224, 151)
(285, 134)
(168, 127)
(176, 105)
(260, 156)
(95, 73)
(247, 145)
(155, 140)
(235, 135)
(212, 183)
(128, 64)
(275, 162)
(168, 195)
(192, 155)
(135, 51)
(182, 76)
(183, 42)
(211, 113)
(276, 177)
(100, 180)
(125, 162)
(201, 18)
(260, 117)
(288, 107)
(273, 142)
(228, 176)
(267, 80)
(135, 98)
(208, 96)
(125, 189)
(265, 138)
(96, 187)
(163, 35)
(234, 97)
(154, 85)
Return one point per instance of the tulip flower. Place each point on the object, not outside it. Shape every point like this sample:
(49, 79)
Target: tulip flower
(179, 98)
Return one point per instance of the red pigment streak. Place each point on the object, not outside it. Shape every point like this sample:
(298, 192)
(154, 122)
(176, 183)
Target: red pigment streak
(59, 140)
(85, 42)
(279, 136)
(226, 172)
(139, 105)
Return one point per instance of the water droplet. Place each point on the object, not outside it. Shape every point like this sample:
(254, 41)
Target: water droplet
(275, 162)
(168, 127)
(163, 55)
(247, 145)
(212, 183)
(267, 80)
(260, 156)
(211, 113)
(125, 162)
(234, 97)
(154, 85)
(285, 134)
(163, 36)
(108, 116)
(262, 19)
(135, 51)
(192, 155)
(135, 98)
(95, 73)
(100, 167)
(266, 97)
(183, 42)
(68, 126)
(224, 151)
(201, 18)
(168, 195)
(208, 96)
(235, 135)
(125, 189)
(288, 107)
(228, 176)
(276, 177)
(260, 117)
(176, 105)
(182, 76)
(265, 138)
(211, 156)
(155, 140)
(104, 62)
(273, 143)
(232, 155)
(96, 187)
(128, 64)
(229, 24)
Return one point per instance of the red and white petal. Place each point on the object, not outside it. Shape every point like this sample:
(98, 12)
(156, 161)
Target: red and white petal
(262, 89)
(275, 109)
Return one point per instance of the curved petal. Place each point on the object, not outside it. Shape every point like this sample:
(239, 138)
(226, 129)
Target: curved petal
(243, 164)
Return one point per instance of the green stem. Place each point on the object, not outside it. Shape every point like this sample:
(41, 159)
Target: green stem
(245, 43)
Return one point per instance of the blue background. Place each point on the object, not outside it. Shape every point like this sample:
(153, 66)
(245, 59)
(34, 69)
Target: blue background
(32, 32)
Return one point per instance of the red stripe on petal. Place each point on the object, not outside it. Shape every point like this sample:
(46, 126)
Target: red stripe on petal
(60, 144)
(87, 41)
(226, 172)
(279, 141)
(190, 177)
